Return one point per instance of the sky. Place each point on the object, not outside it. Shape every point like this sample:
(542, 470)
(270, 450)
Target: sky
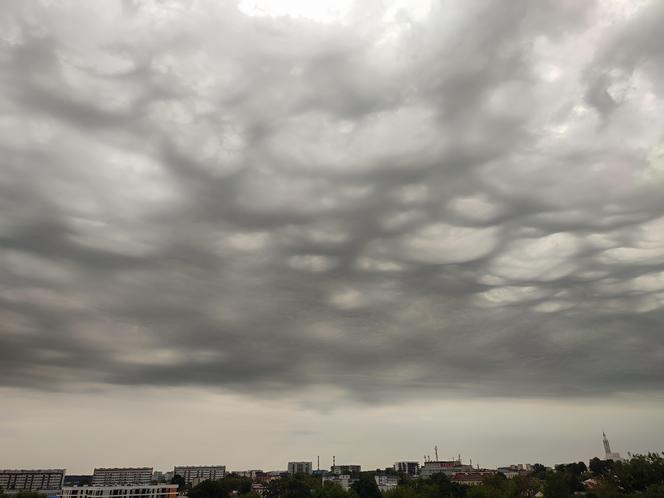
(250, 232)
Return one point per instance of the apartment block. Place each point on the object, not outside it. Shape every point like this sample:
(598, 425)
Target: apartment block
(155, 491)
(199, 473)
(121, 476)
(32, 480)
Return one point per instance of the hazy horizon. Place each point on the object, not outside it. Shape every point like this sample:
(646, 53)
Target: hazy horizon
(244, 233)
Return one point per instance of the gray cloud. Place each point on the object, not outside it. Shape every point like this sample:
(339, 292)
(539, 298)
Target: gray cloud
(463, 203)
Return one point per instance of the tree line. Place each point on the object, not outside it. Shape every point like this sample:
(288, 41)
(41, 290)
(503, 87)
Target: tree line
(640, 477)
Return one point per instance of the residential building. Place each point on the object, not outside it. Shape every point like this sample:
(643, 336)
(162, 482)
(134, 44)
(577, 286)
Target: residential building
(346, 469)
(126, 491)
(299, 468)
(32, 480)
(197, 474)
(386, 483)
(253, 474)
(472, 478)
(410, 468)
(343, 480)
(512, 471)
(121, 476)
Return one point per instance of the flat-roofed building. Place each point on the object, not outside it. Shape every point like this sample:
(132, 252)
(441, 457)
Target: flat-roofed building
(32, 480)
(121, 476)
(447, 467)
(299, 468)
(345, 481)
(127, 491)
(473, 478)
(200, 473)
(386, 483)
(410, 468)
(346, 469)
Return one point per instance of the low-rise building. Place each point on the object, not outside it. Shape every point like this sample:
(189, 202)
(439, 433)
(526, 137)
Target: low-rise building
(121, 476)
(346, 469)
(473, 478)
(386, 483)
(299, 468)
(512, 471)
(199, 473)
(126, 491)
(343, 480)
(32, 480)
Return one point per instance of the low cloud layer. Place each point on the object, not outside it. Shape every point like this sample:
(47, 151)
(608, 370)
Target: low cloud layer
(466, 198)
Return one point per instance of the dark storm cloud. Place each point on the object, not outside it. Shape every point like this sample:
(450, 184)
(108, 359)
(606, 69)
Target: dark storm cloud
(466, 203)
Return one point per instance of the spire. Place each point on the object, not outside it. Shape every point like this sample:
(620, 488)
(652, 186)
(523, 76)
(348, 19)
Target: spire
(607, 447)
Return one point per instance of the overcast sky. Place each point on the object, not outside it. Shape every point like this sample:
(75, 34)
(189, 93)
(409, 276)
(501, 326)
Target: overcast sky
(249, 232)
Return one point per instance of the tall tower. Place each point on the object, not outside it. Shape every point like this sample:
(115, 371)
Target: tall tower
(607, 447)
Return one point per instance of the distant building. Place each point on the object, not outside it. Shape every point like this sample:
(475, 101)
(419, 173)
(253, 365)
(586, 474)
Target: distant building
(472, 478)
(253, 474)
(32, 480)
(346, 469)
(512, 471)
(345, 481)
(128, 491)
(195, 474)
(386, 483)
(608, 454)
(77, 480)
(121, 476)
(410, 468)
(258, 488)
(299, 468)
(447, 467)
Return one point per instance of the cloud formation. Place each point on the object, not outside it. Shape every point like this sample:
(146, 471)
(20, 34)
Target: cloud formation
(459, 200)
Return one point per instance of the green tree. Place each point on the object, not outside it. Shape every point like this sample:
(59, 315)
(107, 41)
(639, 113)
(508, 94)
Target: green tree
(401, 492)
(30, 494)
(526, 486)
(331, 490)
(366, 487)
(179, 480)
(496, 486)
(558, 485)
(600, 467)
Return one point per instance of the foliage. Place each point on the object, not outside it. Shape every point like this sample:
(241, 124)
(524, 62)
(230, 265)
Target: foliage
(366, 486)
(179, 480)
(30, 494)
(221, 488)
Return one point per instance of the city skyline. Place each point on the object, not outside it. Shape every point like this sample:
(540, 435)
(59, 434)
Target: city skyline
(256, 230)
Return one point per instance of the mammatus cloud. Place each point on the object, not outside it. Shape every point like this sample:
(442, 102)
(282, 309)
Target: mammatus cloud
(460, 200)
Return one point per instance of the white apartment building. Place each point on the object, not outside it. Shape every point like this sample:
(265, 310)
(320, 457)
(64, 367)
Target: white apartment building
(299, 468)
(154, 491)
(386, 483)
(120, 476)
(344, 480)
(199, 473)
(32, 480)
